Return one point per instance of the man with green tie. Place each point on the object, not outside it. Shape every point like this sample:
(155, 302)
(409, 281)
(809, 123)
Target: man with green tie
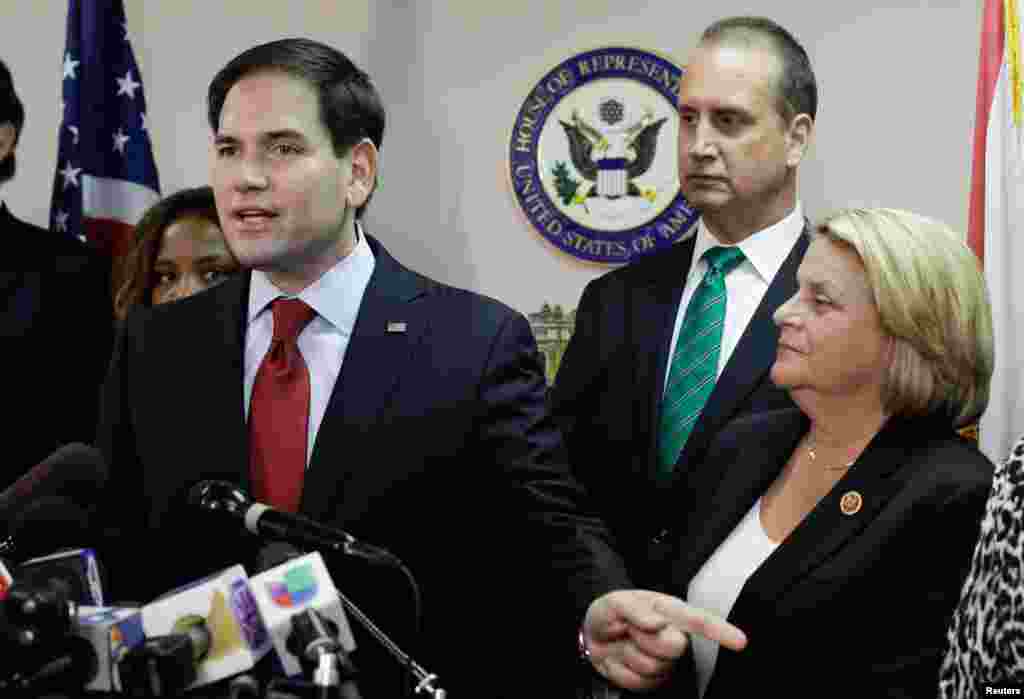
(669, 349)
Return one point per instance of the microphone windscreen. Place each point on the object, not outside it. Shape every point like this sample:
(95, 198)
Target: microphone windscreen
(82, 467)
(76, 471)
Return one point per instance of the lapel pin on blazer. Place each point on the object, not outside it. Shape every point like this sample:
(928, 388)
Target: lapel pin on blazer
(851, 503)
(396, 326)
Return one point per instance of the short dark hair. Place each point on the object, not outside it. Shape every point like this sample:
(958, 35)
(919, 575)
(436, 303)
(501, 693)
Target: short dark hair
(11, 112)
(350, 107)
(138, 280)
(797, 88)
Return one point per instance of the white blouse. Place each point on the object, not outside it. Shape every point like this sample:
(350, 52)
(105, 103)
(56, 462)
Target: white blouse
(719, 581)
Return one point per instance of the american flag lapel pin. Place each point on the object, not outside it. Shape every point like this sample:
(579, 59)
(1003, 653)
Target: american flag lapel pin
(396, 326)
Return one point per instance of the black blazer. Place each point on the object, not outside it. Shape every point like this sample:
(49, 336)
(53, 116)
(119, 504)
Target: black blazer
(56, 328)
(436, 445)
(857, 603)
(607, 396)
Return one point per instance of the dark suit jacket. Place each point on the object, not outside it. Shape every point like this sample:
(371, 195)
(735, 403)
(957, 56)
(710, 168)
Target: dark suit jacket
(607, 396)
(436, 445)
(56, 327)
(853, 605)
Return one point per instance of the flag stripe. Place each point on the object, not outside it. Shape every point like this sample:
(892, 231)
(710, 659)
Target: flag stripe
(989, 64)
(120, 200)
(116, 237)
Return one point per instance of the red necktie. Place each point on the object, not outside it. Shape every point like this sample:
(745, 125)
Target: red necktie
(279, 411)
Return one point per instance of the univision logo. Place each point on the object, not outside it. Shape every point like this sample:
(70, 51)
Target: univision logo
(297, 587)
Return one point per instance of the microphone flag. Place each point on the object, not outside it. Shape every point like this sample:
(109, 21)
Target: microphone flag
(78, 567)
(112, 631)
(238, 637)
(291, 588)
(5, 581)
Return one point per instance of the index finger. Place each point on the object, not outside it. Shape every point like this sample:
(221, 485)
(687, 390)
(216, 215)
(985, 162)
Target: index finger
(636, 608)
(691, 619)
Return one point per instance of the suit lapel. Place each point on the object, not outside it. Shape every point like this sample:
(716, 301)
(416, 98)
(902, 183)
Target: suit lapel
(749, 363)
(223, 402)
(826, 528)
(387, 329)
(734, 482)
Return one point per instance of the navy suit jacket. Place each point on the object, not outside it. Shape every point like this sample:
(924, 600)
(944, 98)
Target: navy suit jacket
(56, 329)
(607, 396)
(436, 445)
(858, 604)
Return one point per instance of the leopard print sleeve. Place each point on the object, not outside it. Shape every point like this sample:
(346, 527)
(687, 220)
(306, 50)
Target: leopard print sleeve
(986, 635)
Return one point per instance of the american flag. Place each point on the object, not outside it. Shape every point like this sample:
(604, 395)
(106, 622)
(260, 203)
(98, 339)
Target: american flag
(106, 177)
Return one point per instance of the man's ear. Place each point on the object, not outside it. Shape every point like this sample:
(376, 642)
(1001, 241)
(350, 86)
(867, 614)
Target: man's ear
(798, 138)
(7, 138)
(364, 173)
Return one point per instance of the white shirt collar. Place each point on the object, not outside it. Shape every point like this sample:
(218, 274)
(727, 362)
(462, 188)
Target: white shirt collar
(335, 296)
(766, 249)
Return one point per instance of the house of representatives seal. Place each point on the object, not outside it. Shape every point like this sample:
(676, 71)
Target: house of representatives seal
(592, 157)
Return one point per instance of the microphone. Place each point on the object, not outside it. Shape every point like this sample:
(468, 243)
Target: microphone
(80, 657)
(164, 666)
(112, 632)
(53, 643)
(302, 584)
(260, 519)
(42, 600)
(78, 569)
(37, 622)
(295, 586)
(198, 634)
(314, 638)
(45, 526)
(75, 470)
(244, 687)
(37, 613)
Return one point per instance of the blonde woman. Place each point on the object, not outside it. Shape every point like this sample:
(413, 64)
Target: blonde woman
(836, 536)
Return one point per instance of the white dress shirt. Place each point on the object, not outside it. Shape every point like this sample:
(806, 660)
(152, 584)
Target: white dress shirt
(336, 297)
(746, 284)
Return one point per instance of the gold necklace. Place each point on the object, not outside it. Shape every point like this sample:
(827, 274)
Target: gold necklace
(814, 457)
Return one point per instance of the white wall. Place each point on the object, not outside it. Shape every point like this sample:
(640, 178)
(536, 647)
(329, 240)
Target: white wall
(897, 82)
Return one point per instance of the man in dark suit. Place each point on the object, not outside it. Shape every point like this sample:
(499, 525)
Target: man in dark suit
(335, 382)
(747, 103)
(55, 324)
(648, 377)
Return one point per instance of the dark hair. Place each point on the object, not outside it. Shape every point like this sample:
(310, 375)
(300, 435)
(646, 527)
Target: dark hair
(797, 88)
(350, 108)
(137, 281)
(11, 112)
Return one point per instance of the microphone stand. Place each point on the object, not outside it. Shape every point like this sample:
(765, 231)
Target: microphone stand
(425, 681)
(224, 497)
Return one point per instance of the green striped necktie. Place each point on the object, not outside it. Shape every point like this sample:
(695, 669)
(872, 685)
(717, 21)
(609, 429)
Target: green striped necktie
(695, 362)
